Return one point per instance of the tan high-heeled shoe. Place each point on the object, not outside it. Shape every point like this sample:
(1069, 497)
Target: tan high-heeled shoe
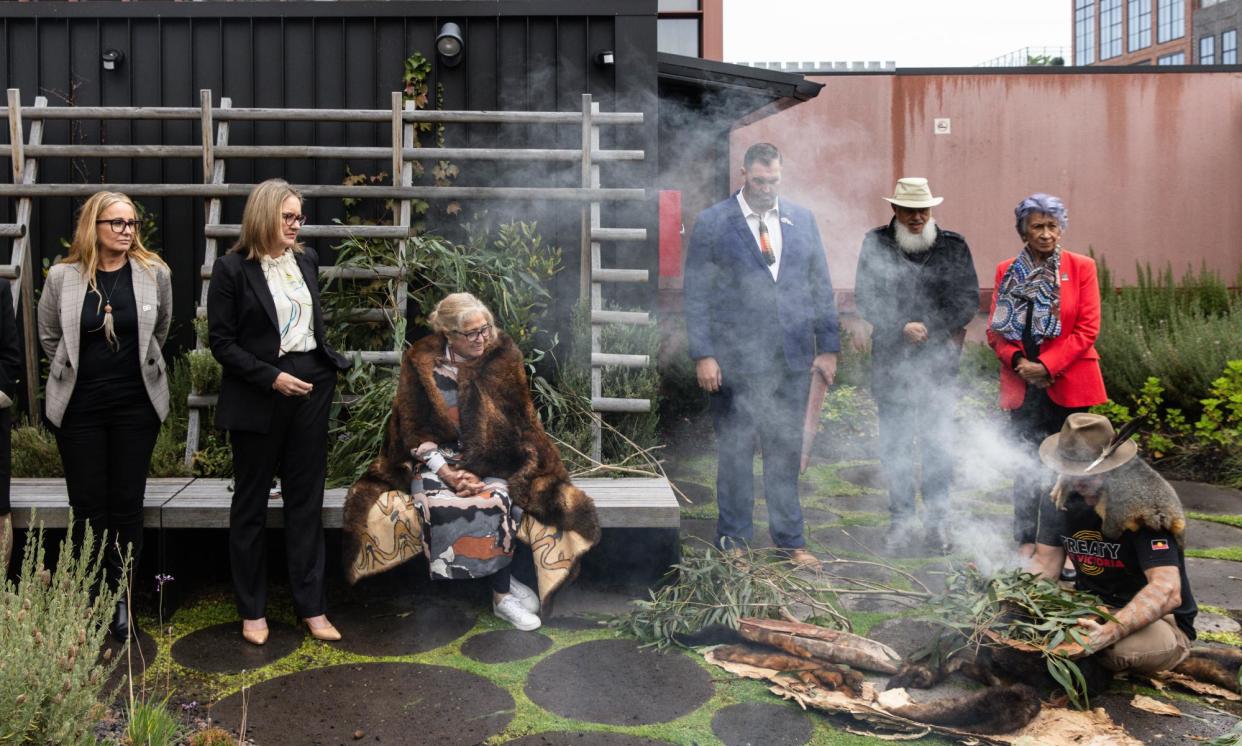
(325, 632)
(254, 636)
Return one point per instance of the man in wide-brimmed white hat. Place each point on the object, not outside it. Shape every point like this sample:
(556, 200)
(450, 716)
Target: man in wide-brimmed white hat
(1121, 524)
(916, 286)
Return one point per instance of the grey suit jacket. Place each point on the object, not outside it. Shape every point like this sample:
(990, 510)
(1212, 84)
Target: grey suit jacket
(60, 324)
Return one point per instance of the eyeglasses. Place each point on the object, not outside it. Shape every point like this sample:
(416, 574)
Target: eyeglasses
(474, 335)
(292, 217)
(120, 225)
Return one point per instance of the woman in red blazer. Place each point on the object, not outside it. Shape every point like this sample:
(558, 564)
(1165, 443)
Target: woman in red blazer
(1044, 320)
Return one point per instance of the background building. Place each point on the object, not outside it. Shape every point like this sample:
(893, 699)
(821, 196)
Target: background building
(1156, 32)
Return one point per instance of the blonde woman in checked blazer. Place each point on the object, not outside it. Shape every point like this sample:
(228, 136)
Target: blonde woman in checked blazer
(103, 318)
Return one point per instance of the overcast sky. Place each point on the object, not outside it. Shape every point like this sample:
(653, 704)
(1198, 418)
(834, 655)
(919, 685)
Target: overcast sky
(912, 33)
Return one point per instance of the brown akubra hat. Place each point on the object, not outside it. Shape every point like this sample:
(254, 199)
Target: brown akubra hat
(1085, 448)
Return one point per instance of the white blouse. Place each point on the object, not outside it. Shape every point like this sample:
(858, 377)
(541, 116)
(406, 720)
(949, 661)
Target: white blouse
(294, 312)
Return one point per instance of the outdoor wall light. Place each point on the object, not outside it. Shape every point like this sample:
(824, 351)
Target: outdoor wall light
(449, 44)
(111, 58)
(605, 58)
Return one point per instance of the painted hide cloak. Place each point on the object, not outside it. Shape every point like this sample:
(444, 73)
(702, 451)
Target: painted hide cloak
(501, 436)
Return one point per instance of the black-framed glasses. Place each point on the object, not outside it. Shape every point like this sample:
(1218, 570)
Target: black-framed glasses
(292, 217)
(474, 335)
(119, 225)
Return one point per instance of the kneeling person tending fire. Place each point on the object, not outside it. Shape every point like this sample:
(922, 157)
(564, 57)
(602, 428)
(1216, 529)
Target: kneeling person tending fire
(1122, 526)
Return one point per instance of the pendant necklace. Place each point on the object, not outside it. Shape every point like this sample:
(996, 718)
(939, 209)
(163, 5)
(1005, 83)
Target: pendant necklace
(108, 326)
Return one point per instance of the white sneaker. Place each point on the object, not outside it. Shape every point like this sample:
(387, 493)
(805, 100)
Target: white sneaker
(528, 598)
(511, 610)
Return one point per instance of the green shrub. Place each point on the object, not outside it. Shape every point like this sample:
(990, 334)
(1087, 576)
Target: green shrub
(34, 452)
(205, 372)
(51, 682)
(151, 724)
(355, 436)
(214, 458)
(168, 457)
(1180, 333)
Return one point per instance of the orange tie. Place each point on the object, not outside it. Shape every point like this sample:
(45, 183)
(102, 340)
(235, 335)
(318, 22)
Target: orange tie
(765, 243)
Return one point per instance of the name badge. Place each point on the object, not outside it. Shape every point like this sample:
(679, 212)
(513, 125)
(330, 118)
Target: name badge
(1064, 277)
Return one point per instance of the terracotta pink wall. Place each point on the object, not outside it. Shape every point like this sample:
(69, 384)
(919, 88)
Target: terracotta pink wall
(1149, 164)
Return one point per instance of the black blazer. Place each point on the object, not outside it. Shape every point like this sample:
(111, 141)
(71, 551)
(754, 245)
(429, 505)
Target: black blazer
(10, 354)
(245, 338)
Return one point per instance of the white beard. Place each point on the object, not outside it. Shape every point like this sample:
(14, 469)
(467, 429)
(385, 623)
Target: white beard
(915, 243)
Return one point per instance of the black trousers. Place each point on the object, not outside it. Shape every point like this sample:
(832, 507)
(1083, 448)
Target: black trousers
(295, 447)
(1037, 418)
(918, 425)
(105, 442)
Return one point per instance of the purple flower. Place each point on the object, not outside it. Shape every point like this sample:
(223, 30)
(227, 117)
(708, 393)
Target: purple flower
(160, 580)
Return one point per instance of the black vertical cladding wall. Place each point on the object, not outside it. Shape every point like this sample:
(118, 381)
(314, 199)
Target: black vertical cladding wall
(519, 55)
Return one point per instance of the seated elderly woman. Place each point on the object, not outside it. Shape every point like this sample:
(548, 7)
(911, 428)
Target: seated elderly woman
(466, 468)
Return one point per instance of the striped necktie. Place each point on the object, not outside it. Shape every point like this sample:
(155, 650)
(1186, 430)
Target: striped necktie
(765, 243)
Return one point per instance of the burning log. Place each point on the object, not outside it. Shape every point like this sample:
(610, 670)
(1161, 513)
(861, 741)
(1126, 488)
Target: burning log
(807, 670)
(810, 641)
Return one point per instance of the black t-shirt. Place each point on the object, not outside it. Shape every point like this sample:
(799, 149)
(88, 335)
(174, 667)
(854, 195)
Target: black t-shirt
(1113, 570)
(97, 362)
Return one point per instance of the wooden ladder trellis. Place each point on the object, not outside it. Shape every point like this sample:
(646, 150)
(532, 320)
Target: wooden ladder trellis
(402, 119)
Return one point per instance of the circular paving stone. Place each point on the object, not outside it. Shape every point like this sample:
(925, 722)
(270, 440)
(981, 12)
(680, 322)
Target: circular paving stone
(388, 702)
(864, 475)
(400, 627)
(583, 738)
(755, 724)
(137, 660)
(614, 682)
(858, 503)
(1208, 498)
(1206, 621)
(1199, 724)
(1210, 535)
(505, 645)
(221, 649)
(697, 494)
(1212, 582)
(905, 635)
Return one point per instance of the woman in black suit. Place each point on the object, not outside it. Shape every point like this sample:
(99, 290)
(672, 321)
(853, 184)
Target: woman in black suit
(266, 329)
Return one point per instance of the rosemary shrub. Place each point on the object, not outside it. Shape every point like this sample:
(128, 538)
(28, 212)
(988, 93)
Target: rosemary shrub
(54, 623)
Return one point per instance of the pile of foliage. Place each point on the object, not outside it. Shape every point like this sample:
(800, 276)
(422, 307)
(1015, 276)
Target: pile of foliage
(710, 587)
(1020, 607)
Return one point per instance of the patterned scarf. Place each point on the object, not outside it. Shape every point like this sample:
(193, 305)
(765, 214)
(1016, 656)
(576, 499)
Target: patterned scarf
(1027, 284)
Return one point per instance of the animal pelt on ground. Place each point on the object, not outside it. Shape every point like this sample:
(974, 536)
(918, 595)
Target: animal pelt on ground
(1217, 666)
(500, 434)
(993, 710)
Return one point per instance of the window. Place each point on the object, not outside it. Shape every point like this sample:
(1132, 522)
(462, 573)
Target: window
(1177, 58)
(1171, 20)
(1140, 24)
(1084, 32)
(1207, 50)
(1229, 47)
(1110, 29)
(678, 36)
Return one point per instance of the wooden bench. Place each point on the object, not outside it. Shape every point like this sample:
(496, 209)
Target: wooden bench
(189, 502)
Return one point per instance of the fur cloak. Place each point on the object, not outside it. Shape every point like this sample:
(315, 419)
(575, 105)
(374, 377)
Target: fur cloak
(501, 436)
(1135, 495)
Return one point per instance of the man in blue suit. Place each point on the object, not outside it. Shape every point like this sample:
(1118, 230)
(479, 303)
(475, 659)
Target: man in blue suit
(761, 321)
